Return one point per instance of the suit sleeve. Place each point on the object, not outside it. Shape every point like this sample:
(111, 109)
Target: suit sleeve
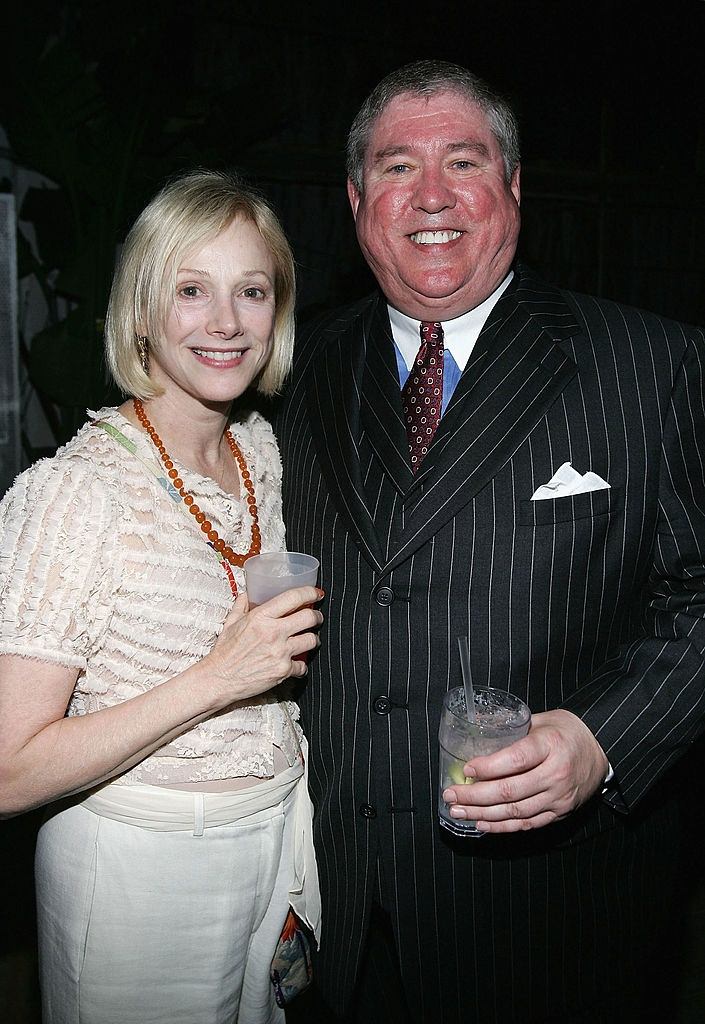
(646, 705)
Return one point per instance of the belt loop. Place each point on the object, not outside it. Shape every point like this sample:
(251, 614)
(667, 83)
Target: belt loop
(199, 813)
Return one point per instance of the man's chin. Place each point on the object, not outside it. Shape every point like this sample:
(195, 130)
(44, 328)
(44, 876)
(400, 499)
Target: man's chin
(437, 300)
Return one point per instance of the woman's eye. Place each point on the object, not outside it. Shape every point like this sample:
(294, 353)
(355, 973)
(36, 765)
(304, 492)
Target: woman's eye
(190, 291)
(253, 293)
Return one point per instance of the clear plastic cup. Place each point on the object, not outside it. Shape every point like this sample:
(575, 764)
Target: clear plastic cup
(276, 572)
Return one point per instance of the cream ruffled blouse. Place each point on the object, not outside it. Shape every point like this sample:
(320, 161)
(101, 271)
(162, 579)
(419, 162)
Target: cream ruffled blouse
(102, 572)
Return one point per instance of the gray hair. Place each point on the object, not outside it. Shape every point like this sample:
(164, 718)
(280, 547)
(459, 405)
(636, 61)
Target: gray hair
(188, 212)
(425, 78)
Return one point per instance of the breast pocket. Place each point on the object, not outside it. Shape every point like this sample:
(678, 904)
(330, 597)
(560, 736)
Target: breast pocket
(571, 507)
(569, 561)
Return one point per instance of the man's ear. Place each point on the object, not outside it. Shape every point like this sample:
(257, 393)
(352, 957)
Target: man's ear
(354, 197)
(514, 184)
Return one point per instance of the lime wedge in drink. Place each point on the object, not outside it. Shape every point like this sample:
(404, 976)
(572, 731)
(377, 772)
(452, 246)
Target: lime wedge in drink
(457, 775)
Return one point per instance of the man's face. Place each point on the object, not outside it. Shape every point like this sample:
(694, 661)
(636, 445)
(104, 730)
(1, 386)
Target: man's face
(437, 221)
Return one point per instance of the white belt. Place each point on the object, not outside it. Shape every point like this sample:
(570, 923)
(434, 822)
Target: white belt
(172, 810)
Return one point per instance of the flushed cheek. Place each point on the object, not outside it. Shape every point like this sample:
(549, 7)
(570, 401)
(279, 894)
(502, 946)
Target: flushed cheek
(380, 242)
(380, 215)
(488, 204)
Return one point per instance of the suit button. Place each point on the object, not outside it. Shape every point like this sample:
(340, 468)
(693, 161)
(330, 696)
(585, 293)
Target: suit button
(384, 596)
(368, 811)
(382, 705)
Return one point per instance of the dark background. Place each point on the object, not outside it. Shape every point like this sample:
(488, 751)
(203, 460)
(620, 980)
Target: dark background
(107, 100)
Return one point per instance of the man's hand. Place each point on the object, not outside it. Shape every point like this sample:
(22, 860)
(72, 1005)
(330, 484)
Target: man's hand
(535, 781)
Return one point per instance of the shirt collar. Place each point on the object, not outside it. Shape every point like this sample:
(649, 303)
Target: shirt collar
(459, 334)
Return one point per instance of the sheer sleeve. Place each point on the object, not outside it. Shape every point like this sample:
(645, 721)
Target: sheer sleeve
(57, 563)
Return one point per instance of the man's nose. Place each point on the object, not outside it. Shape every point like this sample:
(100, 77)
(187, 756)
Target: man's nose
(433, 193)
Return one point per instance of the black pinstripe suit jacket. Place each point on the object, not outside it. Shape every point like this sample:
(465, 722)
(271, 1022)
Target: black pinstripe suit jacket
(593, 602)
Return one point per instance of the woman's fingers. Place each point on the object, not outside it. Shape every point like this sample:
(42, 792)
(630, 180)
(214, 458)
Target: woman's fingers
(289, 601)
(238, 610)
(303, 643)
(277, 618)
(261, 646)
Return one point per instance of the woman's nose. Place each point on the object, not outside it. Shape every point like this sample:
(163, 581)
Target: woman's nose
(224, 320)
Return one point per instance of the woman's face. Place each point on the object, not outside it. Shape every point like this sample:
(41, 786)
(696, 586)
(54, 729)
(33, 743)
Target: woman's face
(218, 332)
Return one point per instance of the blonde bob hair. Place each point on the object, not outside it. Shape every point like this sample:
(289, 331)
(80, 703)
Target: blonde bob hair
(189, 212)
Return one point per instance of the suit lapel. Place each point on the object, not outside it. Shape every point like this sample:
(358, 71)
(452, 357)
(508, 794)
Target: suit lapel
(380, 409)
(515, 373)
(334, 387)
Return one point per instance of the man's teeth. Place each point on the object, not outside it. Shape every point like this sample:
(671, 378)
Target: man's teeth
(219, 357)
(435, 237)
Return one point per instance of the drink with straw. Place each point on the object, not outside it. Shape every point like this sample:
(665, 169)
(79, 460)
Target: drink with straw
(498, 719)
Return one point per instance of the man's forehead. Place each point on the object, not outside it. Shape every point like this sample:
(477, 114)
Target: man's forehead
(447, 120)
(410, 112)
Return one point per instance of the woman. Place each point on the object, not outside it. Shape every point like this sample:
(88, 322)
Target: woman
(130, 666)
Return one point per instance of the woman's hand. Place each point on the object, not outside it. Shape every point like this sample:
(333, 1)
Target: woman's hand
(260, 647)
(45, 755)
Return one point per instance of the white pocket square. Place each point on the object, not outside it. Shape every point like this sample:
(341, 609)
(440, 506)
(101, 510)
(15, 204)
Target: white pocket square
(567, 480)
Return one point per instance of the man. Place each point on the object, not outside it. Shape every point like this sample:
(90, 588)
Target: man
(586, 603)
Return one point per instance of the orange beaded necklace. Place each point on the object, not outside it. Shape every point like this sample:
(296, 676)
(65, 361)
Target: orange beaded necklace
(212, 535)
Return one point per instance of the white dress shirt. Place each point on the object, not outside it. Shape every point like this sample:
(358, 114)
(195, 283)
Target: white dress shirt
(459, 335)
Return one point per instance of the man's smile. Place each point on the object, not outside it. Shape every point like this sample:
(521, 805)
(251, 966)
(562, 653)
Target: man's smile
(434, 237)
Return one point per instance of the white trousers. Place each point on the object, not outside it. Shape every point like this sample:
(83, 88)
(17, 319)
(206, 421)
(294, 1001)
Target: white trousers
(145, 925)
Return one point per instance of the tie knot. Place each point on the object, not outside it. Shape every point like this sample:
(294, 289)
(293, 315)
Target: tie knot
(431, 333)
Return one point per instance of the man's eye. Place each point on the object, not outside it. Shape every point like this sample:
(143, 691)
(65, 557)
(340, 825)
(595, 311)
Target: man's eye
(464, 165)
(399, 168)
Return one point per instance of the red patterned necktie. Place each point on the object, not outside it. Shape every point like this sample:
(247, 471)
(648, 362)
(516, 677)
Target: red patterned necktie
(422, 395)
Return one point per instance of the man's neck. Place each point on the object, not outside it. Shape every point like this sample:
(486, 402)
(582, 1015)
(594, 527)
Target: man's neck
(460, 332)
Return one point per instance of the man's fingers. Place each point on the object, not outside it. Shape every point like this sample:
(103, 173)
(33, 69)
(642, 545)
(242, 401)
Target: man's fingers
(497, 792)
(515, 825)
(516, 759)
(515, 810)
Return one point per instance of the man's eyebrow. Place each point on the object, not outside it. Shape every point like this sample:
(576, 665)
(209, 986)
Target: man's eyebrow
(473, 145)
(388, 151)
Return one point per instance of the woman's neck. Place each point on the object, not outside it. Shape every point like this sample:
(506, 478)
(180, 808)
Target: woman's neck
(192, 433)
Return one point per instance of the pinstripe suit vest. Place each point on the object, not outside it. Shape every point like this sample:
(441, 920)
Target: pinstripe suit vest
(593, 602)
